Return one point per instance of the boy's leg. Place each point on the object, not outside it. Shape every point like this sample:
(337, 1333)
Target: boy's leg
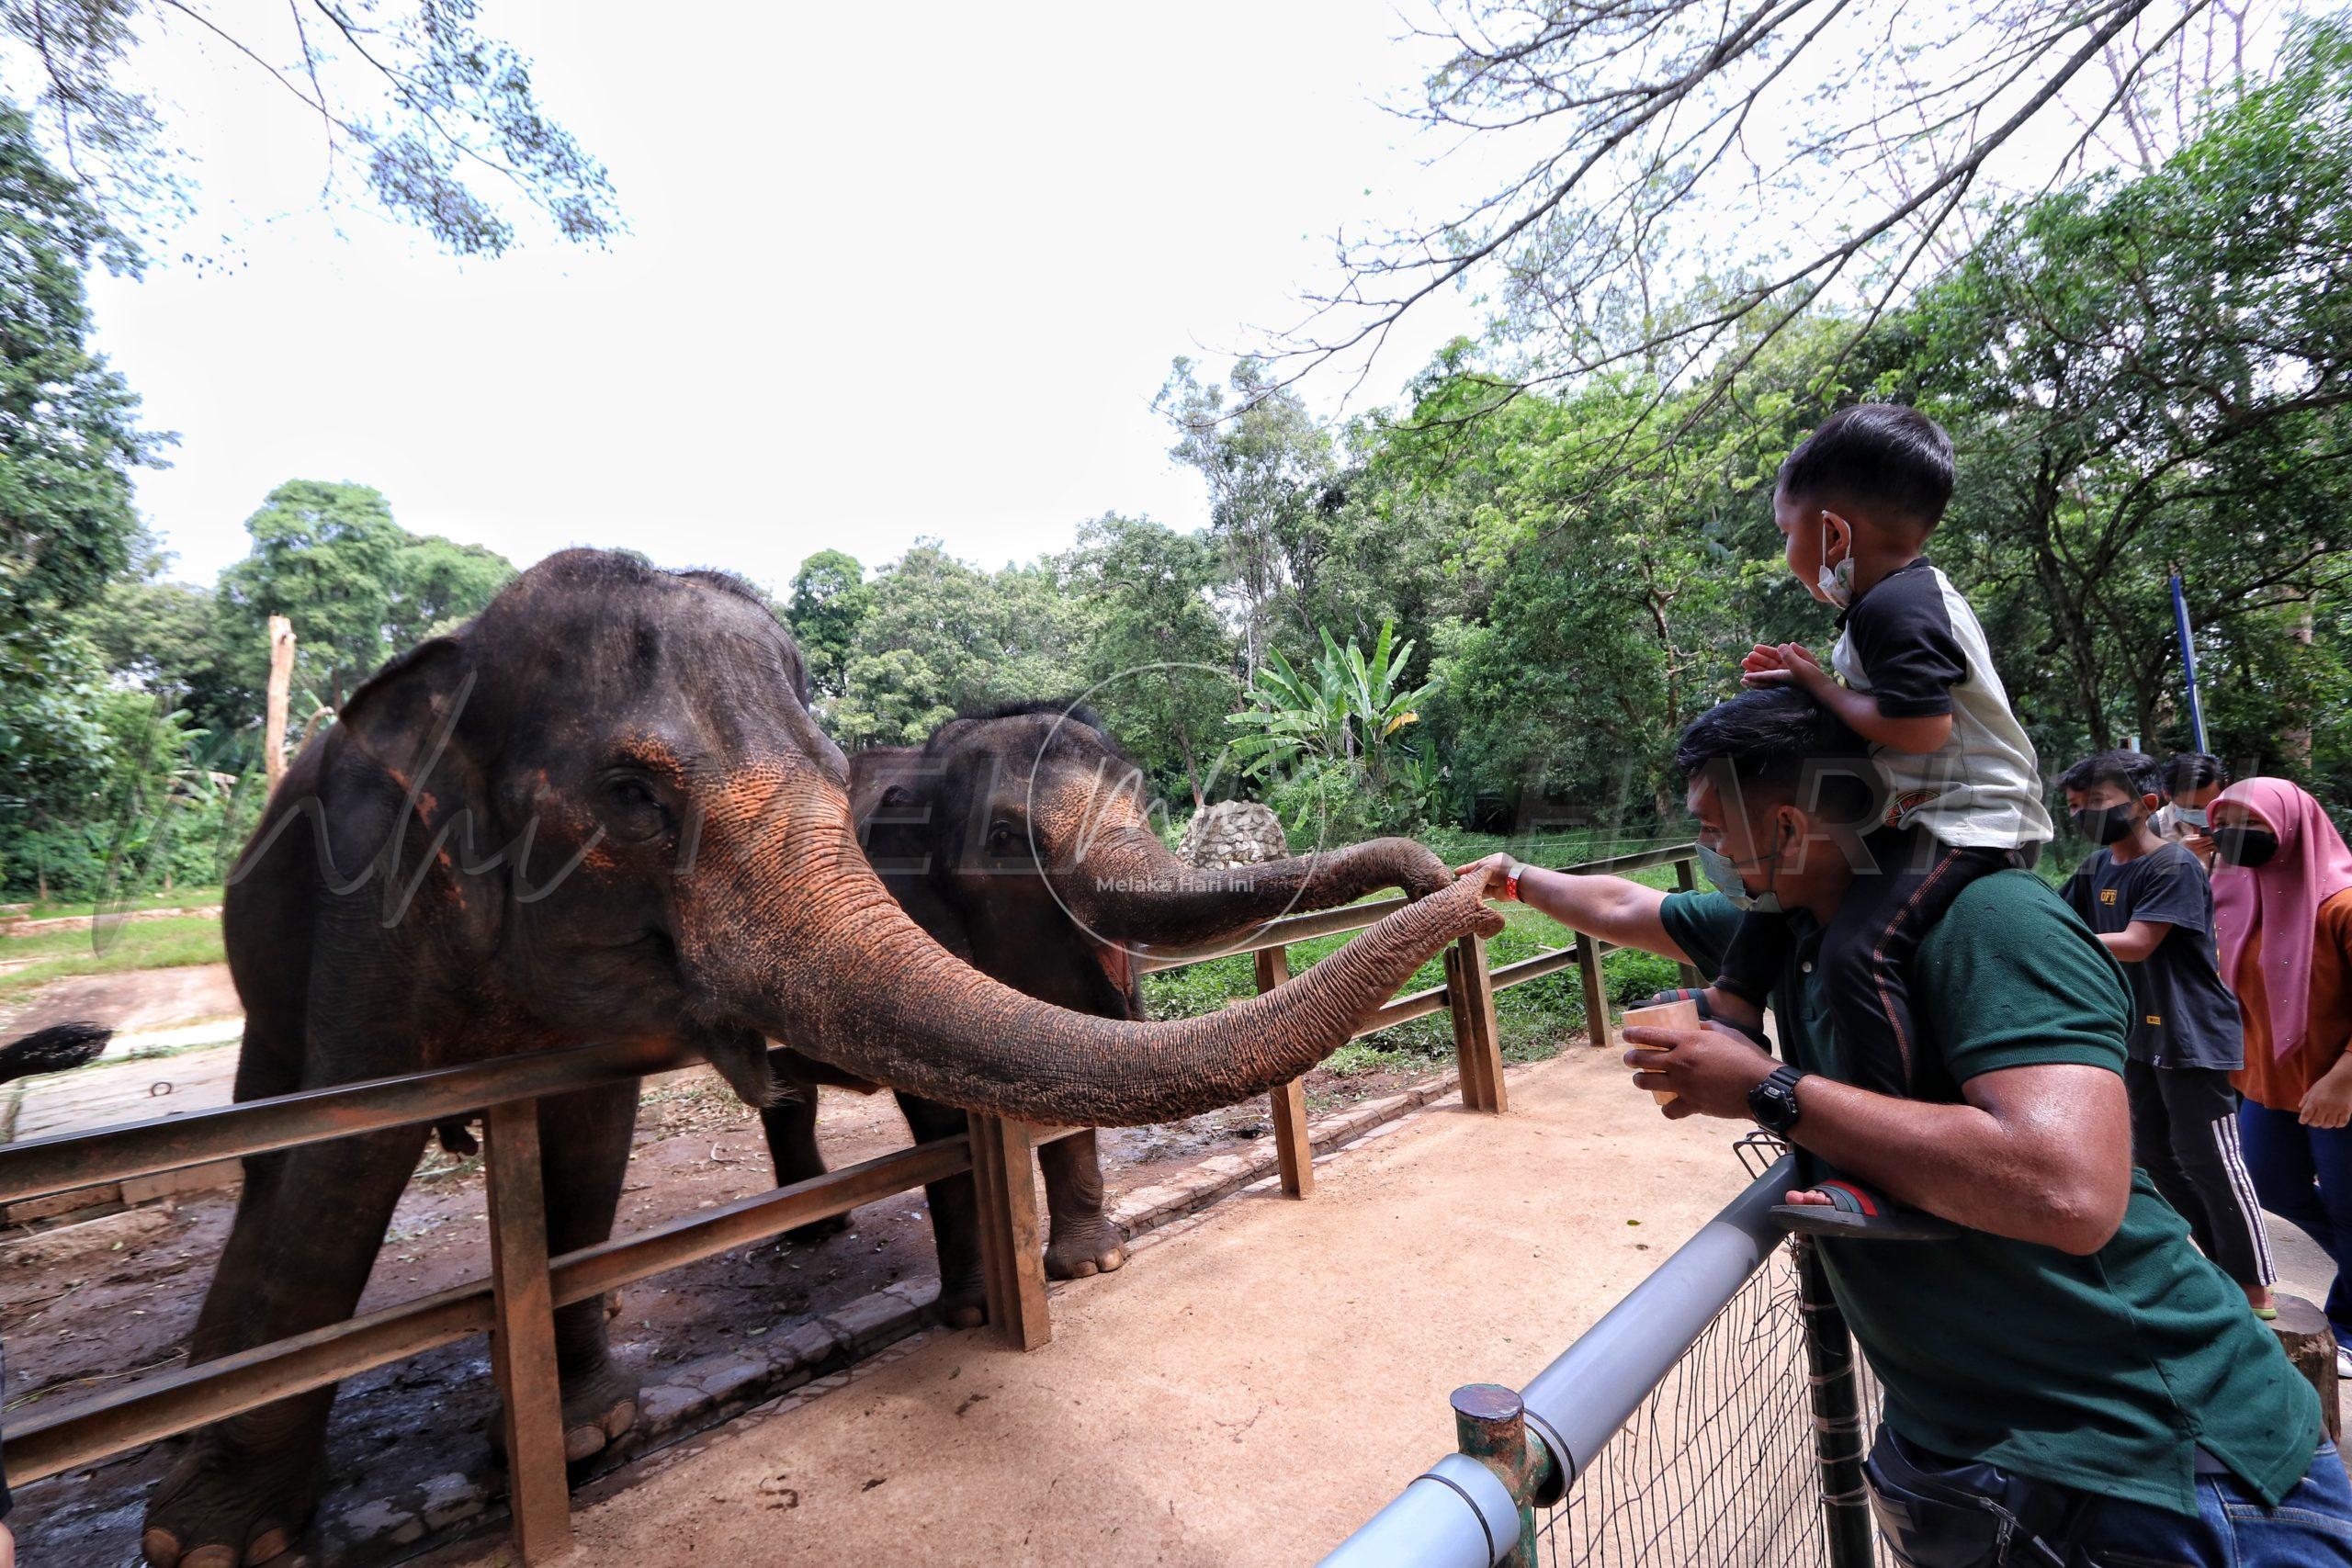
(2201, 1111)
(1866, 951)
(2154, 1150)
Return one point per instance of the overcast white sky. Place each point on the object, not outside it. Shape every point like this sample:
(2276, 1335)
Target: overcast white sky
(894, 271)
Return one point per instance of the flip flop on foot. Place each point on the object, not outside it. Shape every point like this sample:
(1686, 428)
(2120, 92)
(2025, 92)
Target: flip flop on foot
(1707, 1013)
(1857, 1214)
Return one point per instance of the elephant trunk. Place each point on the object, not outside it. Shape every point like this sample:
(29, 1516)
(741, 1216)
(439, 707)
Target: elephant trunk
(800, 939)
(1134, 890)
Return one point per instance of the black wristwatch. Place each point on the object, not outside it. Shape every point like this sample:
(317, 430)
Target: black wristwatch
(1773, 1102)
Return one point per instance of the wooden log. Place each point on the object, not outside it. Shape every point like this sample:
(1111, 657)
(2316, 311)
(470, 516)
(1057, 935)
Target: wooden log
(1294, 1150)
(1596, 990)
(1012, 1266)
(2304, 1334)
(522, 1345)
(281, 676)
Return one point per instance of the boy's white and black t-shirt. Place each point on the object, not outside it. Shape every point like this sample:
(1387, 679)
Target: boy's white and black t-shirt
(1913, 643)
(2183, 1015)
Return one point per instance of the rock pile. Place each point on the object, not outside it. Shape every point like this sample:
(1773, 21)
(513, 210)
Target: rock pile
(1233, 833)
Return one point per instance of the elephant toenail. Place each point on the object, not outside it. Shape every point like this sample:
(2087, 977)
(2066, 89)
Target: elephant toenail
(160, 1547)
(579, 1442)
(271, 1542)
(620, 1417)
(211, 1557)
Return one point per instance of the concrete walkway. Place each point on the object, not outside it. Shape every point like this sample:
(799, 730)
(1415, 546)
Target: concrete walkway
(1253, 1385)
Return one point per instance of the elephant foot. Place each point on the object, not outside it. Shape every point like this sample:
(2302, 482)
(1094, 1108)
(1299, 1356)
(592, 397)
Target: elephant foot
(222, 1506)
(1084, 1247)
(963, 1302)
(817, 1232)
(598, 1409)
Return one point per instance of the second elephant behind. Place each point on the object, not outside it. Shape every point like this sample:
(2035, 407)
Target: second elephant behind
(1019, 840)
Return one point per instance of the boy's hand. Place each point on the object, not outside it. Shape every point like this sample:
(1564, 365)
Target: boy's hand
(1709, 1071)
(1790, 664)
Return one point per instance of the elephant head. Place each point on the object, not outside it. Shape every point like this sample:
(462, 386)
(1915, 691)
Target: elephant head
(602, 810)
(1033, 829)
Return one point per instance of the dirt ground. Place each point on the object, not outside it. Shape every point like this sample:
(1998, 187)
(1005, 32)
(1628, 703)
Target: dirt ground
(133, 1001)
(121, 1306)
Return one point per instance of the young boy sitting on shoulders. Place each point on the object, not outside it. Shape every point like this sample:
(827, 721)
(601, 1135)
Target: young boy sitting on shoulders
(1913, 675)
(2148, 899)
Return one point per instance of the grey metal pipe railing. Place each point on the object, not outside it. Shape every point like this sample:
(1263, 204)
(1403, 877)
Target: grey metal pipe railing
(1579, 1402)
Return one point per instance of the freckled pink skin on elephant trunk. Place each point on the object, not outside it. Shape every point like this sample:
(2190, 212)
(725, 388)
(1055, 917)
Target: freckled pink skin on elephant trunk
(849, 979)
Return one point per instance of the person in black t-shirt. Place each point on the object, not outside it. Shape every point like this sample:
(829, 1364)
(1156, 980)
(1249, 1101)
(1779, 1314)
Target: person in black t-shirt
(2148, 899)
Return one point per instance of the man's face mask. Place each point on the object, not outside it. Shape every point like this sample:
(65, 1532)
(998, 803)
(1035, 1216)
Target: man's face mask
(2103, 824)
(2245, 844)
(1723, 871)
(2193, 815)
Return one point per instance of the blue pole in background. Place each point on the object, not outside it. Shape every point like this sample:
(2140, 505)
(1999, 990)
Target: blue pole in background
(2189, 661)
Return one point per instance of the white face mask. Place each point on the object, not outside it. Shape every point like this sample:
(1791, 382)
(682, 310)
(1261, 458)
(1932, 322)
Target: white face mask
(1836, 582)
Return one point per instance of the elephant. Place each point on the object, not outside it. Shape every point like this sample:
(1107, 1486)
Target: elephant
(600, 810)
(1018, 838)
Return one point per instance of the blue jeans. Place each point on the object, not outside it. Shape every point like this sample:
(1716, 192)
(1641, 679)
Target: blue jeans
(2304, 1175)
(2311, 1527)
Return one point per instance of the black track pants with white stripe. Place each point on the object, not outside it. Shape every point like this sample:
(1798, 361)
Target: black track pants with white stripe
(2185, 1134)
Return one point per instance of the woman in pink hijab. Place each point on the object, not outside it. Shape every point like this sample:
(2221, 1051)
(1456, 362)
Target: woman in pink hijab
(2282, 913)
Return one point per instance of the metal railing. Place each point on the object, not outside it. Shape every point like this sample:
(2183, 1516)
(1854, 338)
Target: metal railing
(1713, 1417)
(515, 1305)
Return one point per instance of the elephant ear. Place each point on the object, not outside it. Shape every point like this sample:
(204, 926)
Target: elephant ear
(409, 811)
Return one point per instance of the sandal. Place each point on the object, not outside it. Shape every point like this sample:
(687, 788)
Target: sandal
(1856, 1214)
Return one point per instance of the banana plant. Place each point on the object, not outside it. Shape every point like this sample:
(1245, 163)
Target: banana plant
(1346, 707)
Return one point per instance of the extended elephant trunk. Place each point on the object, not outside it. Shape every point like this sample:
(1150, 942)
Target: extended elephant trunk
(808, 946)
(1131, 889)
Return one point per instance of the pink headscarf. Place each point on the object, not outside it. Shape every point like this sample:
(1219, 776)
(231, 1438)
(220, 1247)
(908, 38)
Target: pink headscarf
(2280, 900)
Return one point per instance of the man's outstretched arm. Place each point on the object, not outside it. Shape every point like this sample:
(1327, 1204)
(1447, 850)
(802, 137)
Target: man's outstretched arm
(1613, 908)
(2041, 1153)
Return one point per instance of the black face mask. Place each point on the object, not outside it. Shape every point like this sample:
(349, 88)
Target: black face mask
(2246, 846)
(2103, 824)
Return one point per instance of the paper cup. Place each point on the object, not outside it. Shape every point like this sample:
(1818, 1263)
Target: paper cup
(1668, 1015)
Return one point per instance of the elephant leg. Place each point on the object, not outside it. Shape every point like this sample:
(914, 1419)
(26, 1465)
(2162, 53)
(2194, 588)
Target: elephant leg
(246, 1487)
(955, 1219)
(269, 1062)
(791, 1128)
(583, 1156)
(1083, 1240)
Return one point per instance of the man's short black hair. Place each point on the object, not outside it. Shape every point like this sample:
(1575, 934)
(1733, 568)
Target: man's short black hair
(1779, 739)
(1879, 459)
(2134, 773)
(2191, 771)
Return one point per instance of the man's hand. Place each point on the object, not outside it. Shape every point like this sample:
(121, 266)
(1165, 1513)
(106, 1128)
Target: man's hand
(1490, 874)
(1709, 1071)
(2328, 1103)
(1789, 664)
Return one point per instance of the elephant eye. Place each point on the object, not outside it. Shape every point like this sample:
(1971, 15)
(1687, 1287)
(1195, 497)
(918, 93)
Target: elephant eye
(1000, 838)
(631, 808)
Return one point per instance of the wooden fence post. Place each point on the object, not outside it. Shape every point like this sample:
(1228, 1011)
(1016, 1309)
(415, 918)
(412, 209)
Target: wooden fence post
(1686, 880)
(522, 1346)
(1013, 1264)
(1596, 989)
(1477, 1042)
(1293, 1149)
(281, 676)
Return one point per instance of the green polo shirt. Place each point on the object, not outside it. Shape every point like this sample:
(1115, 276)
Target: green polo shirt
(2103, 1373)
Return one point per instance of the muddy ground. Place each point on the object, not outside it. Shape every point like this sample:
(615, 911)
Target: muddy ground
(121, 1307)
(127, 1002)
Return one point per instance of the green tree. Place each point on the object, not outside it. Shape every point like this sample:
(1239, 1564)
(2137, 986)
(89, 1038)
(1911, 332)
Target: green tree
(944, 637)
(439, 121)
(1156, 661)
(830, 600)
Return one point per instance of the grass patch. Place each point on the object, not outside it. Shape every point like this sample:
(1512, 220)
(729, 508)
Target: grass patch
(134, 944)
(195, 897)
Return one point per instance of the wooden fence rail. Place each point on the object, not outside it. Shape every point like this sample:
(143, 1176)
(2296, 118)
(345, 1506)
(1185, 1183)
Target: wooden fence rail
(515, 1304)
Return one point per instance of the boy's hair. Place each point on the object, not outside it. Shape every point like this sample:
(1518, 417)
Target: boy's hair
(2189, 770)
(1890, 462)
(1780, 740)
(2133, 773)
